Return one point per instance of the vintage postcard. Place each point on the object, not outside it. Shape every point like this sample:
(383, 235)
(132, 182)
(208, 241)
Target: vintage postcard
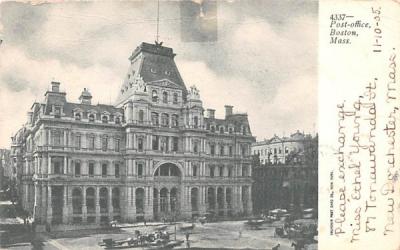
(203, 124)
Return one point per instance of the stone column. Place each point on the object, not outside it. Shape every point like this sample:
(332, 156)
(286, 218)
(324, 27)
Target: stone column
(49, 165)
(216, 198)
(43, 205)
(49, 206)
(224, 201)
(65, 165)
(65, 205)
(249, 202)
(37, 203)
(168, 201)
(149, 203)
(97, 201)
(109, 203)
(84, 206)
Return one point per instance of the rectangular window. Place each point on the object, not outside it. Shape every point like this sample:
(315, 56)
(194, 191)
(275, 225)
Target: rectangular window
(104, 170)
(212, 149)
(117, 145)
(140, 144)
(91, 143)
(195, 147)
(91, 169)
(221, 150)
(155, 142)
(140, 169)
(175, 142)
(104, 143)
(117, 170)
(57, 167)
(230, 150)
(57, 112)
(77, 141)
(77, 169)
(211, 171)
(56, 135)
(194, 170)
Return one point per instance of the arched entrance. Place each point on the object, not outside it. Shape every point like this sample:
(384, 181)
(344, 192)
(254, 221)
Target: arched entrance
(211, 199)
(194, 201)
(167, 191)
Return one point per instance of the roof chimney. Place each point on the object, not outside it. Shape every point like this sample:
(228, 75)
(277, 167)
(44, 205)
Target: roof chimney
(228, 110)
(211, 113)
(55, 86)
(86, 97)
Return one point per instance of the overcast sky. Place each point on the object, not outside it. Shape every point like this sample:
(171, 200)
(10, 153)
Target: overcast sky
(263, 62)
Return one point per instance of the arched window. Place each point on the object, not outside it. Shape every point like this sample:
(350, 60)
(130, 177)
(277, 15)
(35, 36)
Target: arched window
(175, 98)
(77, 201)
(77, 116)
(141, 116)
(115, 198)
(104, 119)
(165, 120)
(196, 121)
(221, 130)
(117, 120)
(91, 118)
(212, 129)
(90, 200)
(154, 96)
(103, 195)
(154, 118)
(139, 194)
(174, 120)
(165, 97)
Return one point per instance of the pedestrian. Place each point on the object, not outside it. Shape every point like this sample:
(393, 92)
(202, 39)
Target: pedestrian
(187, 236)
(144, 221)
(240, 233)
(276, 247)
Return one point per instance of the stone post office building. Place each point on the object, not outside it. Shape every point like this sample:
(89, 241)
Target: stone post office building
(153, 154)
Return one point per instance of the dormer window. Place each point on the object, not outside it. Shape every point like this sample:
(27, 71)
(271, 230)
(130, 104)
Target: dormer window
(117, 120)
(221, 130)
(230, 130)
(91, 117)
(153, 70)
(57, 111)
(168, 72)
(104, 119)
(154, 96)
(78, 117)
(175, 98)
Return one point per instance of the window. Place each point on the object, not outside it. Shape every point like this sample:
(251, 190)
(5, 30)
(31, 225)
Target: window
(280, 150)
(221, 130)
(229, 172)
(57, 167)
(212, 149)
(195, 146)
(154, 118)
(212, 129)
(104, 170)
(91, 169)
(141, 116)
(175, 142)
(165, 120)
(230, 130)
(57, 112)
(221, 150)
(91, 118)
(91, 142)
(117, 120)
(140, 144)
(155, 142)
(174, 120)
(154, 96)
(243, 149)
(194, 170)
(275, 151)
(221, 171)
(211, 171)
(165, 97)
(286, 150)
(230, 150)
(104, 119)
(56, 135)
(196, 121)
(116, 170)
(77, 116)
(117, 144)
(244, 171)
(164, 144)
(140, 169)
(175, 98)
(77, 141)
(104, 143)
(77, 169)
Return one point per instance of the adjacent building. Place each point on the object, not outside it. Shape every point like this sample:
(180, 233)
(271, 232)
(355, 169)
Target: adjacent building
(152, 155)
(285, 172)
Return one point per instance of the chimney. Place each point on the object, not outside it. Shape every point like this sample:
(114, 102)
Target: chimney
(86, 97)
(228, 110)
(211, 113)
(55, 86)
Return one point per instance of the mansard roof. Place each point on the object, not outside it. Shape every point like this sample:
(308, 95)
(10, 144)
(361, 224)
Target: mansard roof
(99, 108)
(150, 63)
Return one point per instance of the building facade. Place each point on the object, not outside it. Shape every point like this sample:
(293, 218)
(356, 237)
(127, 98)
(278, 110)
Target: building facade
(290, 181)
(152, 155)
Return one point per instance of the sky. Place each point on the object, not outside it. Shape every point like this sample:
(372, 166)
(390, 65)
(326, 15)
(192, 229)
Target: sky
(262, 59)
